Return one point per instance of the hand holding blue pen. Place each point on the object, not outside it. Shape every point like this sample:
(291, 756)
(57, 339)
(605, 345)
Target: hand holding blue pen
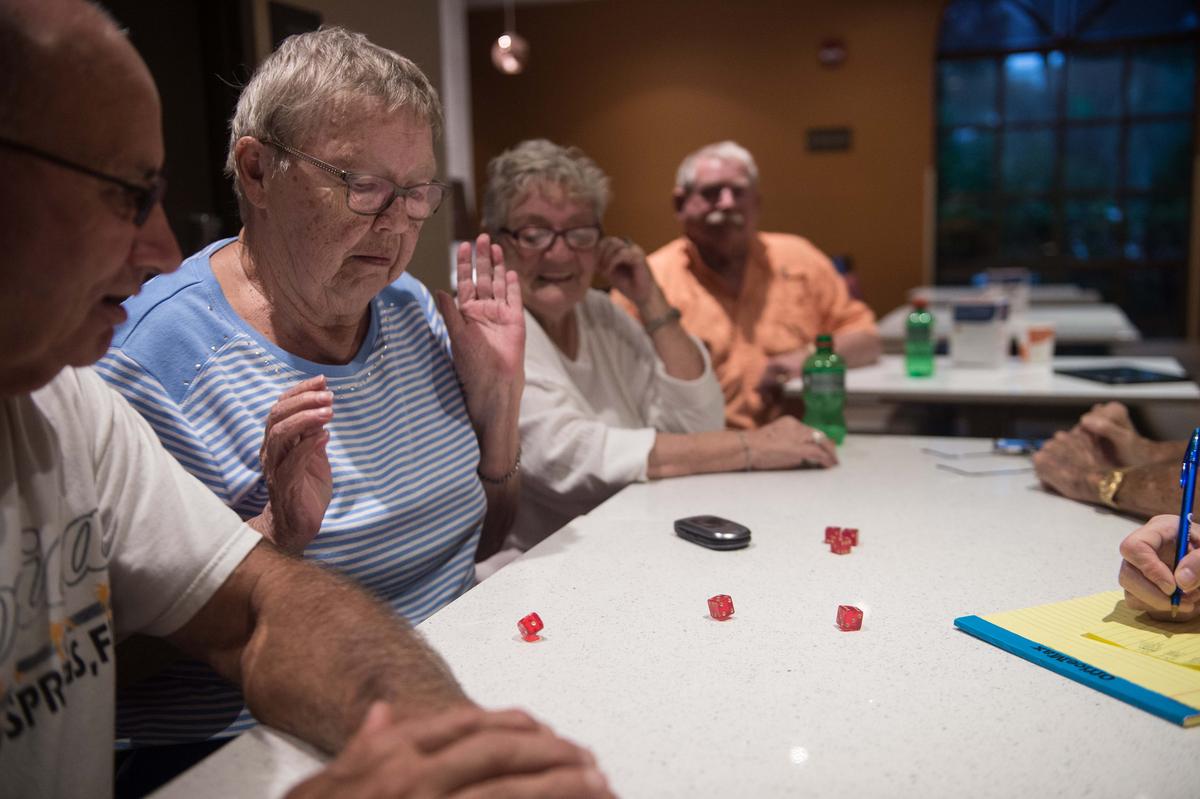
(1187, 481)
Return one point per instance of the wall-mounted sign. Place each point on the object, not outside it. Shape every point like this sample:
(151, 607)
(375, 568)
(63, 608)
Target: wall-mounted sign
(828, 139)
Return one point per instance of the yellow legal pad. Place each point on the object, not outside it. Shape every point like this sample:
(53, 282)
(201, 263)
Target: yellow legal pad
(1098, 641)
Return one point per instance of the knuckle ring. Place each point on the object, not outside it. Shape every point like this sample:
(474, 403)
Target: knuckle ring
(817, 436)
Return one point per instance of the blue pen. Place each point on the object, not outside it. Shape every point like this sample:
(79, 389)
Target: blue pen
(1187, 481)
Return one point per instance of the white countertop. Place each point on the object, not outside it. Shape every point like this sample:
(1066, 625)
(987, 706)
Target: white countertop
(1097, 323)
(1015, 382)
(777, 702)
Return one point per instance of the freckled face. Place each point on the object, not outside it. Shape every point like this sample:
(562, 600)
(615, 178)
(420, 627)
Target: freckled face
(557, 279)
(336, 259)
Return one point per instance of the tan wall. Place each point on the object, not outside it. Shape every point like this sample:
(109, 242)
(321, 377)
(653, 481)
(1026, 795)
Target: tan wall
(409, 27)
(638, 84)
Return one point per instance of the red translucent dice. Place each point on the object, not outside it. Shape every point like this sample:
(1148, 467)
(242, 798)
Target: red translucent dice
(849, 618)
(530, 626)
(841, 539)
(720, 607)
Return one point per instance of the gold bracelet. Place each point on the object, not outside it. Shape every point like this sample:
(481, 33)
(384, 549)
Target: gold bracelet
(749, 467)
(504, 478)
(1110, 484)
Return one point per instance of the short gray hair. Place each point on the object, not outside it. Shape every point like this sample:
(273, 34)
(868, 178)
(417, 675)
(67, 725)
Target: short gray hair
(539, 161)
(727, 150)
(312, 74)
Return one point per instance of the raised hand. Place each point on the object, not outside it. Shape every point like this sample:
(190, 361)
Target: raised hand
(465, 752)
(296, 466)
(623, 264)
(486, 329)
(1146, 574)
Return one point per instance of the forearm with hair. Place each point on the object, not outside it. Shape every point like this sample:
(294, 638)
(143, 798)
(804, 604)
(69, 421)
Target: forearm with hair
(1150, 489)
(311, 650)
(499, 445)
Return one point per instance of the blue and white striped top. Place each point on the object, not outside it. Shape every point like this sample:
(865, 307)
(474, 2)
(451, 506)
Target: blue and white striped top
(407, 503)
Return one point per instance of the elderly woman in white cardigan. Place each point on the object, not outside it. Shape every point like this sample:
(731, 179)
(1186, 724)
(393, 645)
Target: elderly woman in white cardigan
(607, 402)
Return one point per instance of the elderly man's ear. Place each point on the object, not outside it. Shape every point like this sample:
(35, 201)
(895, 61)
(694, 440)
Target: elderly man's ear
(678, 195)
(250, 158)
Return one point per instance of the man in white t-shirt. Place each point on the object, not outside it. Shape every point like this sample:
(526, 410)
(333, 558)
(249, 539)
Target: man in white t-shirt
(102, 534)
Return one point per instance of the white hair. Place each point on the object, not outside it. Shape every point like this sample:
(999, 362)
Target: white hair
(540, 161)
(315, 75)
(728, 150)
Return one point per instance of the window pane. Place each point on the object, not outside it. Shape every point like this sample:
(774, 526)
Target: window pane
(1029, 230)
(989, 25)
(1031, 86)
(1162, 80)
(966, 230)
(1028, 161)
(965, 161)
(1091, 157)
(1093, 85)
(1093, 229)
(1126, 18)
(967, 92)
(1160, 156)
(1157, 229)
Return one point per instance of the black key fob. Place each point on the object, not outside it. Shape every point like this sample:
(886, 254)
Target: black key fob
(713, 532)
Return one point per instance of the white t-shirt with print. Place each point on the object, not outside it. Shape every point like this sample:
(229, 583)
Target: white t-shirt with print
(102, 534)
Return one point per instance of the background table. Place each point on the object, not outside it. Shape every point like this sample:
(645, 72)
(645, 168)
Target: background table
(777, 702)
(1098, 325)
(1039, 293)
(1014, 382)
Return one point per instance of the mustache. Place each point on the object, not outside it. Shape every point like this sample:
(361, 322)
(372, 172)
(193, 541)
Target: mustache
(722, 217)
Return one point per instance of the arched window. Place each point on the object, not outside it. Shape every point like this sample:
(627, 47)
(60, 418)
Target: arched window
(1065, 145)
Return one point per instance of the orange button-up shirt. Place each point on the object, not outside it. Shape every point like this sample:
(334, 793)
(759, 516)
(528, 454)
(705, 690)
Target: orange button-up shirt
(790, 293)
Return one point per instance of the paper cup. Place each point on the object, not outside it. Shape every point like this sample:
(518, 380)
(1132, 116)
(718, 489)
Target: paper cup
(1037, 343)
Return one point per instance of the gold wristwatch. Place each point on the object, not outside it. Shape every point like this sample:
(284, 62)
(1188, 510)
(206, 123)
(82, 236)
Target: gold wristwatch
(1110, 484)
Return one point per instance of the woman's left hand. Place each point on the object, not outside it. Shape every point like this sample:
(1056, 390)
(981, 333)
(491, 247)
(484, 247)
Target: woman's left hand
(486, 328)
(623, 263)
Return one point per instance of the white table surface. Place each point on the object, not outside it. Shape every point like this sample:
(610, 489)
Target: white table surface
(1098, 323)
(1015, 382)
(1057, 293)
(777, 702)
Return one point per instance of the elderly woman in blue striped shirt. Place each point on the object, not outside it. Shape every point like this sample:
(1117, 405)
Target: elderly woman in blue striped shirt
(298, 366)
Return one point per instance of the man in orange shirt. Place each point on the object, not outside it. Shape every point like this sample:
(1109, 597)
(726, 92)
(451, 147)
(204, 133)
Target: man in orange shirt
(757, 300)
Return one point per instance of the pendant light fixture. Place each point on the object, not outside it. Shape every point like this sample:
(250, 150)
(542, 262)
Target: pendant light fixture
(510, 52)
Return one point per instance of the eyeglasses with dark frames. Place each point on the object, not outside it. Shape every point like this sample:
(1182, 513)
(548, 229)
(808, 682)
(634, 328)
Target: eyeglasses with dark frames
(537, 238)
(143, 198)
(371, 195)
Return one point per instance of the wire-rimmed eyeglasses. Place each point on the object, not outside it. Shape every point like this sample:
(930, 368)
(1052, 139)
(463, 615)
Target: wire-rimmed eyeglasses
(371, 195)
(142, 198)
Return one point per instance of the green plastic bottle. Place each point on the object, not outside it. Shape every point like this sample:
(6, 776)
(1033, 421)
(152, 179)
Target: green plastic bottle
(825, 390)
(919, 340)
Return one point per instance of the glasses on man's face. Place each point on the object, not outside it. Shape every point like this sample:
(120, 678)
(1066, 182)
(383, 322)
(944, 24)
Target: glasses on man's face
(711, 192)
(536, 238)
(371, 195)
(142, 199)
